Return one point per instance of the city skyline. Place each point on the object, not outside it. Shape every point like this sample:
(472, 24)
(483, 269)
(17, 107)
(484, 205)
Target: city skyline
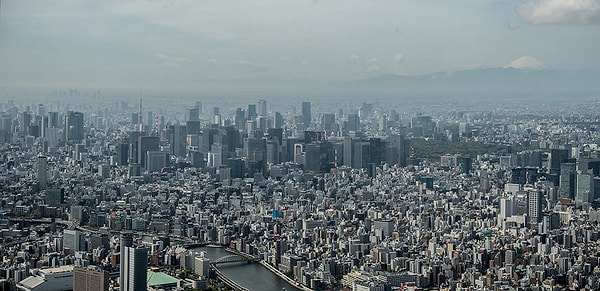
(212, 46)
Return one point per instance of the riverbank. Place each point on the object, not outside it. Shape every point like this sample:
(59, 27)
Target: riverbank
(283, 276)
(271, 268)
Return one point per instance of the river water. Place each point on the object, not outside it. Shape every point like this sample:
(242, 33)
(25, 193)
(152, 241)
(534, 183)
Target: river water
(252, 276)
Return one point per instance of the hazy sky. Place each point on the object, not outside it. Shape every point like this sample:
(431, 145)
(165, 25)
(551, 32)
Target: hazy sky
(144, 43)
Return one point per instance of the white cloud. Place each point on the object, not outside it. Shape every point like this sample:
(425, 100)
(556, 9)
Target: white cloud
(398, 58)
(172, 61)
(560, 12)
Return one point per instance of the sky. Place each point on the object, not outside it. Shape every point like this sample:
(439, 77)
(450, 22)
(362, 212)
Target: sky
(179, 44)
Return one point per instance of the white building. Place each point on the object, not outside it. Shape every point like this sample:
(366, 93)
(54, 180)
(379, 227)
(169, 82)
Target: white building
(52, 279)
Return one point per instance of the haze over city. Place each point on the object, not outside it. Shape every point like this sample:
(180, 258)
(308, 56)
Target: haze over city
(231, 47)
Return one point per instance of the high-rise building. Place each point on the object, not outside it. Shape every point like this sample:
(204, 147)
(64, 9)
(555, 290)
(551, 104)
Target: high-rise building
(156, 160)
(146, 144)
(585, 188)
(74, 126)
(353, 122)
(149, 119)
(201, 265)
(240, 118)
(54, 197)
(122, 154)
(24, 121)
(278, 121)
(535, 199)
(306, 114)
(73, 241)
(507, 204)
(193, 114)
(398, 150)
(134, 269)
(126, 241)
(567, 180)
(251, 113)
(177, 140)
(90, 279)
(42, 174)
(557, 157)
(262, 108)
(328, 122)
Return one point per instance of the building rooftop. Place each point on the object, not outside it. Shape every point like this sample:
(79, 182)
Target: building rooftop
(160, 279)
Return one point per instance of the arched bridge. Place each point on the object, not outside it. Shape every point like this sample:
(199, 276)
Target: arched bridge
(232, 259)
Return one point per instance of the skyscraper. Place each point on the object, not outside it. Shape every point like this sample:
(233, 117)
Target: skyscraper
(73, 241)
(567, 180)
(353, 122)
(134, 271)
(585, 188)
(126, 241)
(146, 144)
(262, 108)
(251, 112)
(278, 120)
(42, 163)
(193, 114)
(306, 114)
(74, 126)
(534, 206)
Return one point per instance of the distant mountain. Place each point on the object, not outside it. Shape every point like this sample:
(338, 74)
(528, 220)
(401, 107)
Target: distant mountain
(497, 82)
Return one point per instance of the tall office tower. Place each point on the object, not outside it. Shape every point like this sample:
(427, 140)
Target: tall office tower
(54, 197)
(126, 241)
(240, 118)
(41, 110)
(535, 199)
(557, 157)
(53, 119)
(193, 114)
(255, 152)
(177, 139)
(91, 278)
(251, 113)
(156, 160)
(24, 121)
(262, 108)
(73, 241)
(273, 151)
(278, 121)
(134, 270)
(149, 119)
(146, 144)
(306, 114)
(275, 134)
(585, 188)
(568, 174)
(348, 151)
(328, 122)
(465, 164)
(507, 204)
(353, 122)
(398, 150)
(122, 153)
(44, 126)
(42, 173)
(74, 126)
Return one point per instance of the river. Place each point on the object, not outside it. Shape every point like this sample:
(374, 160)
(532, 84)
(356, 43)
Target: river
(252, 276)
